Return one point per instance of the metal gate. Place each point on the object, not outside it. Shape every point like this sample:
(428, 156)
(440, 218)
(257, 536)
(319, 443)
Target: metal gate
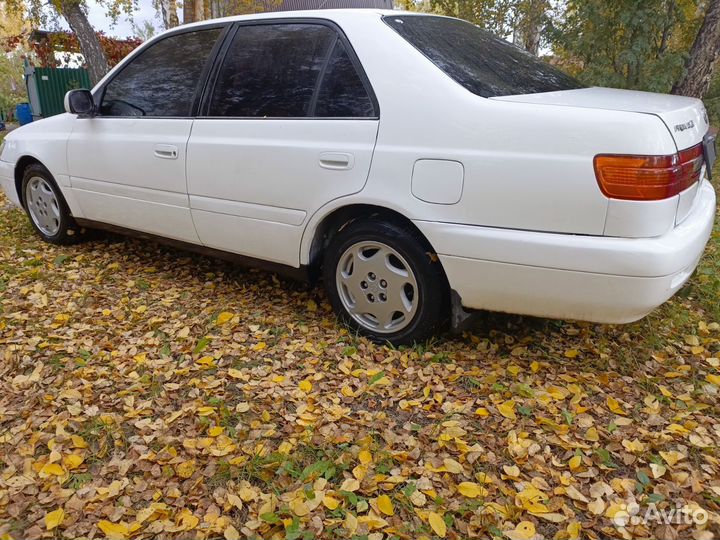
(47, 88)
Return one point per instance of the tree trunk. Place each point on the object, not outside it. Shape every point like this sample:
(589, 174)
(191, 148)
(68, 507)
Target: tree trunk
(530, 24)
(696, 78)
(168, 10)
(92, 51)
(173, 20)
(188, 11)
(193, 11)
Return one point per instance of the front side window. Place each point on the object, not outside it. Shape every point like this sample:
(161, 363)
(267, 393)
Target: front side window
(271, 70)
(481, 62)
(163, 79)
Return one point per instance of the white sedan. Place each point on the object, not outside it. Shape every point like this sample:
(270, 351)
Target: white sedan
(418, 164)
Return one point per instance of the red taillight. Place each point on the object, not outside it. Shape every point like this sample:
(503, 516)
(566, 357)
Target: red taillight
(648, 178)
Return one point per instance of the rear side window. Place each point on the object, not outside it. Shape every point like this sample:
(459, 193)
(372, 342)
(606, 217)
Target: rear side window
(483, 63)
(342, 92)
(271, 70)
(163, 79)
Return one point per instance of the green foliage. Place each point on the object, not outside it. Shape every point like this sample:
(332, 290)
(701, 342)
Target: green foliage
(512, 19)
(625, 43)
(616, 43)
(12, 83)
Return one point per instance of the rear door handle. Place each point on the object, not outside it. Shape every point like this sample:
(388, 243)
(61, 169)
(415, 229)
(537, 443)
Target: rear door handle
(337, 160)
(166, 151)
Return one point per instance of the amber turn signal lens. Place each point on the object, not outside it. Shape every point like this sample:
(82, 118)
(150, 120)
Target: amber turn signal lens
(648, 178)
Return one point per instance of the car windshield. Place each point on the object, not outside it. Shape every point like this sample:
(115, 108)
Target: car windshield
(483, 63)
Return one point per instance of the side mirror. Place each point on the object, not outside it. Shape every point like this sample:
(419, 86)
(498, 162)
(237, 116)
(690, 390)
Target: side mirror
(80, 102)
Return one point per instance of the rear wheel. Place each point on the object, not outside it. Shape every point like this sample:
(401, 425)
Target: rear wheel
(46, 207)
(384, 283)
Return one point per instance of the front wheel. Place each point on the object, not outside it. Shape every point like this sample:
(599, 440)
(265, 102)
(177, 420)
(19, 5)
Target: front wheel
(46, 207)
(384, 283)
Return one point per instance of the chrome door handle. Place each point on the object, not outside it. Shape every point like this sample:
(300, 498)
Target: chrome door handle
(166, 151)
(337, 160)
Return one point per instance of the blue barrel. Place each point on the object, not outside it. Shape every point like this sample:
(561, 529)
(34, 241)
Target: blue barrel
(23, 113)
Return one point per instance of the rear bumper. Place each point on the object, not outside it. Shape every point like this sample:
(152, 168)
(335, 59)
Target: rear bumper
(600, 279)
(7, 182)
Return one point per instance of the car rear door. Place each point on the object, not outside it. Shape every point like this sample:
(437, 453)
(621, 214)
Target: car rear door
(289, 123)
(127, 164)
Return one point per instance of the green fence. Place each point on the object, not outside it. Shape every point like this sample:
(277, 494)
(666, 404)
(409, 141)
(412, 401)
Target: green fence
(47, 88)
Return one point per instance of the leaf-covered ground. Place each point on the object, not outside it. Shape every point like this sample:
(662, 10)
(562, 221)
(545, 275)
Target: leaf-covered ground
(146, 392)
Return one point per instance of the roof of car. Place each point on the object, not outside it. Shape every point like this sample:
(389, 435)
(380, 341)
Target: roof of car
(308, 13)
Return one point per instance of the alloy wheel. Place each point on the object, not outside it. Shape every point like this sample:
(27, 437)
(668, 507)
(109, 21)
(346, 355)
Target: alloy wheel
(43, 205)
(377, 287)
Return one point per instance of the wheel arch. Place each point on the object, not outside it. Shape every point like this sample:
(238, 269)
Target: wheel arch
(334, 221)
(23, 163)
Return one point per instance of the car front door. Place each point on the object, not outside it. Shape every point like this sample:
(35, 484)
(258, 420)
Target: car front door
(289, 123)
(127, 163)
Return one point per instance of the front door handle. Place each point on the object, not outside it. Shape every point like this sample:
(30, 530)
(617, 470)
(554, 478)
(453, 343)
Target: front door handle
(337, 160)
(166, 151)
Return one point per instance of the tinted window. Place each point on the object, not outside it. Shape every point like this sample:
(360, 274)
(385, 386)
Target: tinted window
(484, 64)
(342, 92)
(163, 79)
(271, 70)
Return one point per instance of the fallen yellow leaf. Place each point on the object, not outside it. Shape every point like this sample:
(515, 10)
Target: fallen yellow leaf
(507, 409)
(73, 461)
(54, 519)
(671, 457)
(597, 506)
(186, 469)
(574, 529)
(330, 502)
(365, 457)
(471, 490)
(231, 533)
(299, 508)
(524, 530)
(614, 406)
(206, 361)
(438, 524)
(350, 484)
(385, 505)
(78, 441)
(114, 531)
(634, 446)
(452, 466)
(52, 468)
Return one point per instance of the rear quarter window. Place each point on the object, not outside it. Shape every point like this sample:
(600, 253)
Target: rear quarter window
(481, 62)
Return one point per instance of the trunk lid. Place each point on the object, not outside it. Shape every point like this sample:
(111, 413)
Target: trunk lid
(684, 117)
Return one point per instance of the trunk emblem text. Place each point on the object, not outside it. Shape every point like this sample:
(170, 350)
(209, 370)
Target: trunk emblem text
(686, 125)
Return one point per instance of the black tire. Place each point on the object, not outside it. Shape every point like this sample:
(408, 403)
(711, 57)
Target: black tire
(68, 232)
(433, 292)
